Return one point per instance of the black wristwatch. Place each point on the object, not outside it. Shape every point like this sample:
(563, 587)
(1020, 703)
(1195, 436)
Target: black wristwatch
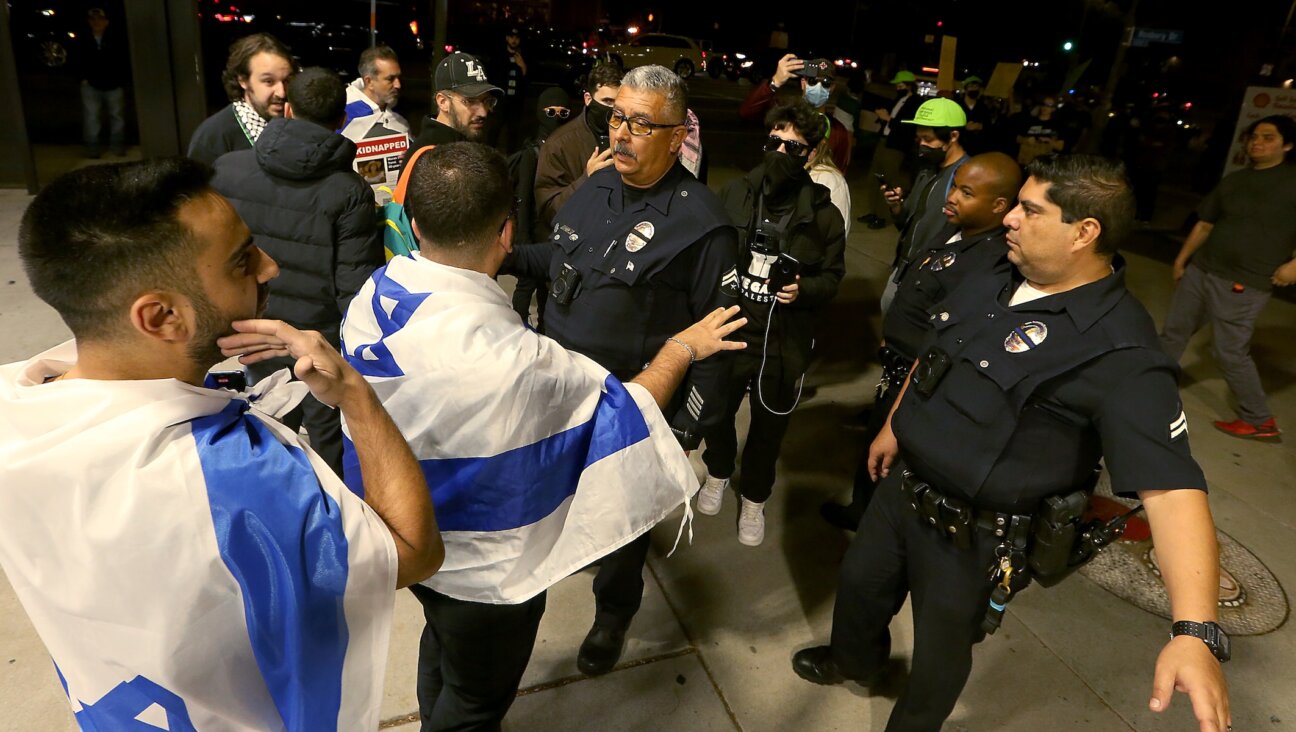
(1211, 634)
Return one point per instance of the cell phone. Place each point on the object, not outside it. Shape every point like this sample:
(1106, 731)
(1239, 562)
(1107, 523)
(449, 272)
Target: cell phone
(236, 380)
(882, 179)
(604, 142)
(817, 68)
(783, 273)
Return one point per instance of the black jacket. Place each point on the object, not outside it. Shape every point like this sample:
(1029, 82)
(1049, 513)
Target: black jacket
(217, 135)
(311, 213)
(432, 133)
(816, 237)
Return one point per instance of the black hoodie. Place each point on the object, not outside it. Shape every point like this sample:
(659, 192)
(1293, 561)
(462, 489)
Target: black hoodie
(311, 213)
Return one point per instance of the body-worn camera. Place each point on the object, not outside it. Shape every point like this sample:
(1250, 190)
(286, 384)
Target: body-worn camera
(566, 286)
(766, 239)
(817, 68)
(929, 371)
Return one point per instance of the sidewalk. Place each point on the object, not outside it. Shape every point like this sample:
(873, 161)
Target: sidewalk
(711, 648)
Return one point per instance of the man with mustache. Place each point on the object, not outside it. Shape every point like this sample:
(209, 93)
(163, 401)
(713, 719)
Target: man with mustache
(639, 251)
(255, 78)
(182, 554)
(464, 101)
(315, 216)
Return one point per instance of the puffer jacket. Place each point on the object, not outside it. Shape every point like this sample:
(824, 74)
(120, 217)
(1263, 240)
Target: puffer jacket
(311, 213)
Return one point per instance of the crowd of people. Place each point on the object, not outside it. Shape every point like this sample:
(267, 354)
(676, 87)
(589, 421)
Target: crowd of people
(241, 576)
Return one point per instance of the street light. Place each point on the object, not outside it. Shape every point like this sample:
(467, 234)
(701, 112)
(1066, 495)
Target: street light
(1068, 46)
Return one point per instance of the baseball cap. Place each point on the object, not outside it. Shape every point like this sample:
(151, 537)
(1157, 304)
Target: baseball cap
(463, 74)
(903, 76)
(973, 79)
(939, 112)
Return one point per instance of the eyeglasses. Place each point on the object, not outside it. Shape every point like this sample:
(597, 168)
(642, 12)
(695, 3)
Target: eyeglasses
(794, 148)
(486, 101)
(512, 214)
(639, 127)
(559, 112)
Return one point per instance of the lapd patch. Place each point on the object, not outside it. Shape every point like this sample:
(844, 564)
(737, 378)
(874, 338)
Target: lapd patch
(729, 283)
(1026, 337)
(945, 260)
(640, 236)
(1179, 427)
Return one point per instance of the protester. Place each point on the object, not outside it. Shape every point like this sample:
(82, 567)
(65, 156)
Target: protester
(889, 155)
(464, 100)
(578, 149)
(815, 89)
(255, 78)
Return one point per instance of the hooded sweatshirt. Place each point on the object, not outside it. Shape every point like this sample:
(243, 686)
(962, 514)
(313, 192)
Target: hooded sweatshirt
(311, 213)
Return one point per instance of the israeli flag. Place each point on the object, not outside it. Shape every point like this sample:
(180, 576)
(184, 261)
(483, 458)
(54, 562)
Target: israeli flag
(539, 461)
(188, 564)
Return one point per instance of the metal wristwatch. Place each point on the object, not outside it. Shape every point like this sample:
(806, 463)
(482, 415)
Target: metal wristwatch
(1210, 633)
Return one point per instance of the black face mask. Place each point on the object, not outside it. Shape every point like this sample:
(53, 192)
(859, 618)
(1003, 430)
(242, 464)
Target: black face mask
(596, 116)
(548, 125)
(783, 175)
(929, 157)
(973, 93)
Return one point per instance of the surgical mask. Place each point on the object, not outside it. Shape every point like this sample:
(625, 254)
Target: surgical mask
(783, 174)
(930, 157)
(816, 95)
(596, 116)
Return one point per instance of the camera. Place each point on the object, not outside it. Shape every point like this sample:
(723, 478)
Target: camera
(766, 239)
(819, 68)
(929, 371)
(566, 286)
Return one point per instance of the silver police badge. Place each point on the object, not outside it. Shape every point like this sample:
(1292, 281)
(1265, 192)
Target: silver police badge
(1025, 337)
(943, 261)
(640, 236)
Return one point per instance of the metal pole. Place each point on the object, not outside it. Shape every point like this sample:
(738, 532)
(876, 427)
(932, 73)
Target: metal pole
(1101, 117)
(373, 23)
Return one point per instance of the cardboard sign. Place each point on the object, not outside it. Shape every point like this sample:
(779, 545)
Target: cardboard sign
(1258, 102)
(945, 77)
(1003, 80)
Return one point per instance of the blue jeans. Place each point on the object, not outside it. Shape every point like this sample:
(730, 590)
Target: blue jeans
(93, 103)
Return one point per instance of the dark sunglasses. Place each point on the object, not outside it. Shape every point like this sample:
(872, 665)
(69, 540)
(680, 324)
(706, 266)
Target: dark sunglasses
(794, 148)
(560, 113)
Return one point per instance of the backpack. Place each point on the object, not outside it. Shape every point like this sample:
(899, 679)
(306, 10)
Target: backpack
(397, 234)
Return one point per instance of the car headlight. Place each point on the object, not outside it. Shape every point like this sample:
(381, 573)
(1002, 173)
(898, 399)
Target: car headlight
(747, 64)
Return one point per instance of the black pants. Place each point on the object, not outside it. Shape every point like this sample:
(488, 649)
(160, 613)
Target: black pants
(865, 486)
(527, 286)
(322, 423)
(894, 553)
(618, 586)
(471, 659)
(764, 435)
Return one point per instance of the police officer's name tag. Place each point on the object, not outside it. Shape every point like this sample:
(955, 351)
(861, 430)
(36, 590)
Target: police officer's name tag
(639, 237)
(1026, 337)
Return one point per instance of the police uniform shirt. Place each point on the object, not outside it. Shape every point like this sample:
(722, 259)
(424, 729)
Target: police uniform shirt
(1036, 393)
(650, 265)
(931, 278)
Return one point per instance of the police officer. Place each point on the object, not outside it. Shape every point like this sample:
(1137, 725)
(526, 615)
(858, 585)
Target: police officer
(638, 251)
(791, 262)
(983, 191)
(1033, 374)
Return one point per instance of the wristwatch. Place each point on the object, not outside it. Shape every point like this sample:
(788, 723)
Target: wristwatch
(1210, 633)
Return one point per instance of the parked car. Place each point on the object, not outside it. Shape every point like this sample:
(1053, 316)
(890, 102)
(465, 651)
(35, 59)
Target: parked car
(679, 53)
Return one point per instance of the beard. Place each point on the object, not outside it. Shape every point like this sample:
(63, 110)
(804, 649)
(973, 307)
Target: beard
(212, 325)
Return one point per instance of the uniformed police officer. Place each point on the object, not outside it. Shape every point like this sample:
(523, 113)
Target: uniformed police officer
(982, 192)
(1034, 372)
(637, 252)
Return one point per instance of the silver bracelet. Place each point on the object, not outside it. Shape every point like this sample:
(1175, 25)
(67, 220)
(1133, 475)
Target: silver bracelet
(687, 347)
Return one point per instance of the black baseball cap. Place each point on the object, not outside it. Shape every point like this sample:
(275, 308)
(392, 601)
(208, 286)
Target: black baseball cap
(463, 74)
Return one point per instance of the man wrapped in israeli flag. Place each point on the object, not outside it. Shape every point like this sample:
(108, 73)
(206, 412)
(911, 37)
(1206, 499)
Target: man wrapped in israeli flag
(187, 561)
(538, 460)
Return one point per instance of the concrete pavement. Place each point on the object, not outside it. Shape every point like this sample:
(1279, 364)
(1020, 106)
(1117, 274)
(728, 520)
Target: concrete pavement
(710, 650)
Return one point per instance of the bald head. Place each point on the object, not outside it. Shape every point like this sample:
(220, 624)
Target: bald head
(983, 191)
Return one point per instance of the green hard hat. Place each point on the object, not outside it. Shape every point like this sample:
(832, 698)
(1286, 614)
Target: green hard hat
(904, 77)
(973, 79)
(939, 112)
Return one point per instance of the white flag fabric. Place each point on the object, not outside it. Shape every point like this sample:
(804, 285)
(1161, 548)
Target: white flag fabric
(188, 564)
(539, 461)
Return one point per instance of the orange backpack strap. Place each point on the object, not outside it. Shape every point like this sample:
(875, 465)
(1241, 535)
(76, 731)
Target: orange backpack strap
(399, 195)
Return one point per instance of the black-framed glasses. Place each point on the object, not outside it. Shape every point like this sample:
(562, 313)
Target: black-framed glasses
(794, 148)
(639, 127)
(512, 214)
(559, 112)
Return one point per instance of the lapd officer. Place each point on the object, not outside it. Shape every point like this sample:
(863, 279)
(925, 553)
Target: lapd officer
(637, 252)
(1035, 371)
(791, 262)
(983, 191)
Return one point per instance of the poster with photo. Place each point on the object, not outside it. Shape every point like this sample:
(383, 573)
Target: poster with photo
(378, 161)
(1259, 102)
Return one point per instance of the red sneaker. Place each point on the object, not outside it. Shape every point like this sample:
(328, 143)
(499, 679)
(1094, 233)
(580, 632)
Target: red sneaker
(1266, 430)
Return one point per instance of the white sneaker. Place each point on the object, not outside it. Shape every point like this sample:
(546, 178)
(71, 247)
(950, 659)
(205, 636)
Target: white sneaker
(751, 523)
(711, 495)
